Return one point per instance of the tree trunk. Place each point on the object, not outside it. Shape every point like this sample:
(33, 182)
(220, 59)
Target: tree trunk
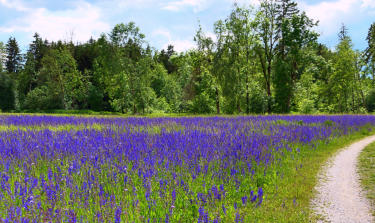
(238, 106)
(360, 89)
(247, 96)
(238, 93)
(353, 102)
(269, 88)
(346, 100)
(217, 100)
(247, 82)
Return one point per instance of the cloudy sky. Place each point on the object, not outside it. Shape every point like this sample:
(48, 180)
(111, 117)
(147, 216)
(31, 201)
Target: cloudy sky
(163, 21)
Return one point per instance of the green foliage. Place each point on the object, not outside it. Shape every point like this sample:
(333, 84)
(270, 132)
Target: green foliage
(95, 98)
(258, 103)
(283, 86)
(295, 31)
(370, 101)
(7, 92)
(366, 170)
(124, 69)
(165, 59)
(13, 58)
(65, 84)
(307, 89)
(370, 50)
(345, 80)
(263, 59)
(306, 106)
(328, 123)
(2, 56)
(203, 104)
(39, 99)
(171, 91)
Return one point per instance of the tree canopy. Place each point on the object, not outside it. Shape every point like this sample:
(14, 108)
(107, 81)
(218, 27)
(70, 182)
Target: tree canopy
(264, 59)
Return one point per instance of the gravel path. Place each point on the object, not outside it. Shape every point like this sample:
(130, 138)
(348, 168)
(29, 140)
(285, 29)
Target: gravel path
(339, 197)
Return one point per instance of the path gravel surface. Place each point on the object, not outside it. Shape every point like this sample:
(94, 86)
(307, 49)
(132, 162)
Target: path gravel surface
(339, 197)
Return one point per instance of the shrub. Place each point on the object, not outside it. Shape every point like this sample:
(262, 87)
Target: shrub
(7, 95)
(306, 106)
(38, 99)
(370, 101)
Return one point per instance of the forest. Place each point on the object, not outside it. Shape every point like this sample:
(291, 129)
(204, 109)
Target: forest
(264, 59)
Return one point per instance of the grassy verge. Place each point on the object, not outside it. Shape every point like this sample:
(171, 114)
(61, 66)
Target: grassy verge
(366, 168)
(88, 113)
(289, 200)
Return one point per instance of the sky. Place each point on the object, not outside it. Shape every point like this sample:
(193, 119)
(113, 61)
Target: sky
(163, 21)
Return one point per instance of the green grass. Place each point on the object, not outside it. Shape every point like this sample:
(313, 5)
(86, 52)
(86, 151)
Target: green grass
(88, 113)
(290, 195)
(366, 169)
(290, 189)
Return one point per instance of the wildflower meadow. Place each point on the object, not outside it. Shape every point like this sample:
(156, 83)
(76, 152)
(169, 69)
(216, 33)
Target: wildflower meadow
(191, 169)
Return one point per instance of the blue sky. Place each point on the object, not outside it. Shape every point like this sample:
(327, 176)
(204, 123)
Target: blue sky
(163, 21)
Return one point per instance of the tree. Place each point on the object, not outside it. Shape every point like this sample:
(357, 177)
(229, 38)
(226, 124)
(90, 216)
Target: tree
(344, 81)
(165, 58)
(124, 68)
(28, 76)
(13, 59)
(370, 101)
(241, 42)
(206, 77)
(310, 90)
(343, 33)
(369, 53)
(185, 79)
(2, 56)
(85, 55)
(67, 87)
(295, 33)
(268, 39)
(7, 94)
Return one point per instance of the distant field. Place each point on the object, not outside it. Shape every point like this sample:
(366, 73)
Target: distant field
(181, 169)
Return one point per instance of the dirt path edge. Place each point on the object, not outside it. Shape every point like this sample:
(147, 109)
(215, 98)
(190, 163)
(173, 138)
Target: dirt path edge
(339, 196)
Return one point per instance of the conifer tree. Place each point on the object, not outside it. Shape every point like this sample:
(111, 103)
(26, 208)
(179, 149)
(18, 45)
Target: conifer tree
(13, 59)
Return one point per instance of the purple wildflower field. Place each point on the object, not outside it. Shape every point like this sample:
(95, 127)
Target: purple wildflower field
(193, 169)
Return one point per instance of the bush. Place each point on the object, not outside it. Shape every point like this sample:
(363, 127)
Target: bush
(306, 106)
(7, 95)
(370, 101)
(161, 106)
(258, 104)
(95, 99)
(203, 104)
(38, 99)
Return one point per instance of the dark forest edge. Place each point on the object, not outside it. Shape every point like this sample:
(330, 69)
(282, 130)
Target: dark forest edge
(263, 60)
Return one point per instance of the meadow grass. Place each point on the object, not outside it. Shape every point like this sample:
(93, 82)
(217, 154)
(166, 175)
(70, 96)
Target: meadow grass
(366, 169)
(289, 196)
(107, 114)
(288, 184)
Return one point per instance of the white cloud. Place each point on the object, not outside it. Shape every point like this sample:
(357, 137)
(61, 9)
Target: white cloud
(197, 5)
(14, 4)
(162, 32)
(211, 35)
(368, 3)
(127, 4)
(180, 45)
(83, 21)
(246, 2)
(331, 14)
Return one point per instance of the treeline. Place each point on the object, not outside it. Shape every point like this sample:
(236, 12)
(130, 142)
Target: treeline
(263, 60)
